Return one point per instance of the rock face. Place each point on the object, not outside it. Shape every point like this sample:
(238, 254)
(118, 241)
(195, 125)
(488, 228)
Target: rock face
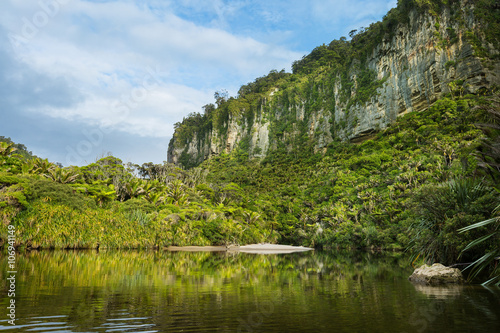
(424, 59)
(436, 274)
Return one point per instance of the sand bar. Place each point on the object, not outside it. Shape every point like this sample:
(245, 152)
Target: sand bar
(197, 248)
(252, 248)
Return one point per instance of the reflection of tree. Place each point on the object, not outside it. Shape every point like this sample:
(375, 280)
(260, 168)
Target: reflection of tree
(179, 289)
(114, 268)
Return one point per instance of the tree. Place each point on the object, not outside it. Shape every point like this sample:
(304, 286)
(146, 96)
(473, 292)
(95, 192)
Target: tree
(61, 175)
(176, 193)
(221, 97)
(488, 154)
(104, 196)
(6, 149)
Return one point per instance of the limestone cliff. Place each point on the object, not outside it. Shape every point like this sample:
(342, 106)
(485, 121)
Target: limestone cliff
(429, 54)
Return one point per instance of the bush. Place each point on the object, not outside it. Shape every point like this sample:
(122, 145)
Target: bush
(56, 193)
(12, 191)
(138, 204)
(441, 210)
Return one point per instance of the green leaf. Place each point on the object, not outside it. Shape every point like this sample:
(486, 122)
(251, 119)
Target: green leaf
(478, 225)
(478, 241)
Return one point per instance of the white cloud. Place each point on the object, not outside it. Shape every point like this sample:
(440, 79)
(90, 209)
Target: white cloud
(143, 112)
(105, 50)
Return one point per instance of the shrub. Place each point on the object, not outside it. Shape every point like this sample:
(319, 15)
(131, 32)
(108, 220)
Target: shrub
(441, 210)
(56, 193)
(138, 204)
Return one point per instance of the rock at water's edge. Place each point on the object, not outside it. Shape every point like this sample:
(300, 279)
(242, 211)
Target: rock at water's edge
(436, 274)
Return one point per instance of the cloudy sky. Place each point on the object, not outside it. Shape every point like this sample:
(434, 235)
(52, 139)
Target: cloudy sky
(83, 78)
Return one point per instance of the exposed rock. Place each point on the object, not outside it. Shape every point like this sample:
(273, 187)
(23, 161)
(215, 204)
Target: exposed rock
(418, 65)
(436, 274)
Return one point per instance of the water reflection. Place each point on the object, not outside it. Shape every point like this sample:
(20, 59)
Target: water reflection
(147, 291)
(441, 292)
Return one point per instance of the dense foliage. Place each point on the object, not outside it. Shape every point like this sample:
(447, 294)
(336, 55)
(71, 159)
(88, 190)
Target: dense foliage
(414, 184)
(110, 204)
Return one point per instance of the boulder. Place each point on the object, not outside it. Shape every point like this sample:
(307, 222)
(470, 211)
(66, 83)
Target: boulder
(436, 274)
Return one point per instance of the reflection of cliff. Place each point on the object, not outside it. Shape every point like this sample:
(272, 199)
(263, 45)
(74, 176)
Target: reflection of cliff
(417, 61)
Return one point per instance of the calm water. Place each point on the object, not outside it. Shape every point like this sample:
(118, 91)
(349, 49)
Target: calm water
(141, 291)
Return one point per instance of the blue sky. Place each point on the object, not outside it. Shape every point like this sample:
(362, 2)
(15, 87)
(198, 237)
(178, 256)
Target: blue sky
(80, 79)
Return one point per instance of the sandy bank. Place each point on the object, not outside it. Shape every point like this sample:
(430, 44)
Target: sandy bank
(197, 248)
(252, 248)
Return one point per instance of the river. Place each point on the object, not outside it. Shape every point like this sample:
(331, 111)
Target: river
(157, 291)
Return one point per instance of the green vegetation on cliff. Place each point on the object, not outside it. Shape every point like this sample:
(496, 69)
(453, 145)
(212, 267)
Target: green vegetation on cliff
(324, 97)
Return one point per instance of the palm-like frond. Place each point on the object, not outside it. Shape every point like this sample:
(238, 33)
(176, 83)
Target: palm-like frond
(6, 149)
(62, 176)
(488, 260)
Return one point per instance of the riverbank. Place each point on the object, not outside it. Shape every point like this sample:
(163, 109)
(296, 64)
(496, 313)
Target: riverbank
(263, 248)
